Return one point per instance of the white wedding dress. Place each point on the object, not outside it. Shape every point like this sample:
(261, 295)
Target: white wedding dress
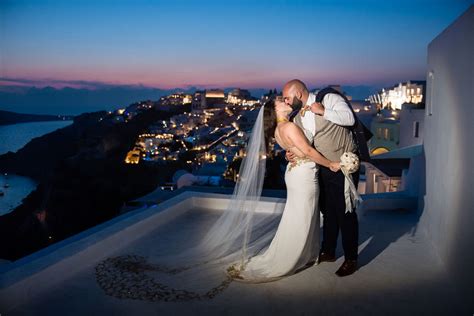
(296, 242)
(240, 244)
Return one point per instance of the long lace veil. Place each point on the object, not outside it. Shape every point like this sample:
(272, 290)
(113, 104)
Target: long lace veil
(239, 233)
(233, 233)
(235, 224)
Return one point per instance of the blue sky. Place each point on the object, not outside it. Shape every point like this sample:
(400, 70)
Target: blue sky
(250, 44)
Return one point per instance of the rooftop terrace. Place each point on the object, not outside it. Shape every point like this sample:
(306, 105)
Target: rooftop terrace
(399, 270)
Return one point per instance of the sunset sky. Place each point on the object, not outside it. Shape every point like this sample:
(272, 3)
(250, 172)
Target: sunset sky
(250, 44)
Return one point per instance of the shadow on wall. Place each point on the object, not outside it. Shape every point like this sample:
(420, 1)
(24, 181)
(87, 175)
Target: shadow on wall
(455, 180)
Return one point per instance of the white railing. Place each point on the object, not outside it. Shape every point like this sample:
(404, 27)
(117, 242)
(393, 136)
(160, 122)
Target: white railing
(376, 181)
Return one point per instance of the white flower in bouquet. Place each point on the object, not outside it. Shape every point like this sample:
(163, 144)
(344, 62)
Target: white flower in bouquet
(349, 162)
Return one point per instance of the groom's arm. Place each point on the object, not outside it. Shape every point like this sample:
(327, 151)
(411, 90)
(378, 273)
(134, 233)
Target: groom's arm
(335, 109)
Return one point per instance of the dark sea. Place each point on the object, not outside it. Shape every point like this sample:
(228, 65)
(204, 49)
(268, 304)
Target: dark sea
(12, 138)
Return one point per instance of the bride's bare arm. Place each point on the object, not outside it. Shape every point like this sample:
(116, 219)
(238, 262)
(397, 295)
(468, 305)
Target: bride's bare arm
(296, 136)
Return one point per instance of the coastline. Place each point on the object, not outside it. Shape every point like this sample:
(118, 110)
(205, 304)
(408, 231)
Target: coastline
(8, 118)
(17, 135)
(83, 180)
(14, 137)
(18, 188)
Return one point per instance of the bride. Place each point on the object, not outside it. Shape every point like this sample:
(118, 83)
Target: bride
(241, 244)
(296, 242)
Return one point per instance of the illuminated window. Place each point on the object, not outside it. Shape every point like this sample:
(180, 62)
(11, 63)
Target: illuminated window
(379, 150)
(386, 133)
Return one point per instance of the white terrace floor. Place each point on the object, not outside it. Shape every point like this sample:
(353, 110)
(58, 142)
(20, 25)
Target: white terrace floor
(399, 273)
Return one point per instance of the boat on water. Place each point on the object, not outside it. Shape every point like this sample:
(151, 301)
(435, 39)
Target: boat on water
(6, 185)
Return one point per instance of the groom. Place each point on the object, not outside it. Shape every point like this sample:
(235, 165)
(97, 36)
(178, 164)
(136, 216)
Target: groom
(328, 124)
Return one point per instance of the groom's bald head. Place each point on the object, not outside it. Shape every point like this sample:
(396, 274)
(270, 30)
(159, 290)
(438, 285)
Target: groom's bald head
(295, 85)
(295, 89)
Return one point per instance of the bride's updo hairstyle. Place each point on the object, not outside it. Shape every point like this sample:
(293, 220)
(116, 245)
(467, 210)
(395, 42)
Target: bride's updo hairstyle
(269, 121)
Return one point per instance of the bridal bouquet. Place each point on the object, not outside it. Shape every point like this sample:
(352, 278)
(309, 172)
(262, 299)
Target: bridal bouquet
(350, 164)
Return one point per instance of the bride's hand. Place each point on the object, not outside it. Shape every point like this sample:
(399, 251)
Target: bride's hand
(335, 166)
(290, 157)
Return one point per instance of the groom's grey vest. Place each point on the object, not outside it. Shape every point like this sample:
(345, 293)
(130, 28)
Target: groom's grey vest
(330, 139)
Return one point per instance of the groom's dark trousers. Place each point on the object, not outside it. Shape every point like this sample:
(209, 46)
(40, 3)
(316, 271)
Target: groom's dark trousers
(333, 207)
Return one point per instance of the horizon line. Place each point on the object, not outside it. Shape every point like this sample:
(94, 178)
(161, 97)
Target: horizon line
(94, 85)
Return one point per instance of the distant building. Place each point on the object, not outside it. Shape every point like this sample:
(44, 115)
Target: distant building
(176, 99)
(204, 99)
(215, 94)
(394, 97)
(133, 157)
(238, 94)
(133, 109)
(386, 135)
(412, 121)
(199, 100)
(397, 129)
(241, 97)
(215, 98)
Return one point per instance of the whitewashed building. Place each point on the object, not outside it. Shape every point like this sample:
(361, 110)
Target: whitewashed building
(448, 204)
(412, 121)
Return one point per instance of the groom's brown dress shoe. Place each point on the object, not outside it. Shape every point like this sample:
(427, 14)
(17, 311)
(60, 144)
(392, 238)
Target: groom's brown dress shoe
(347, 268)
(326, 257)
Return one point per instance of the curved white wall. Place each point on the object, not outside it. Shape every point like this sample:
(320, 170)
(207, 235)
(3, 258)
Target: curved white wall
(448, 214)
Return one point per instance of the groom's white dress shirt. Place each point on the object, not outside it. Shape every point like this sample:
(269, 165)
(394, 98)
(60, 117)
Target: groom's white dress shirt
(336, 110)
